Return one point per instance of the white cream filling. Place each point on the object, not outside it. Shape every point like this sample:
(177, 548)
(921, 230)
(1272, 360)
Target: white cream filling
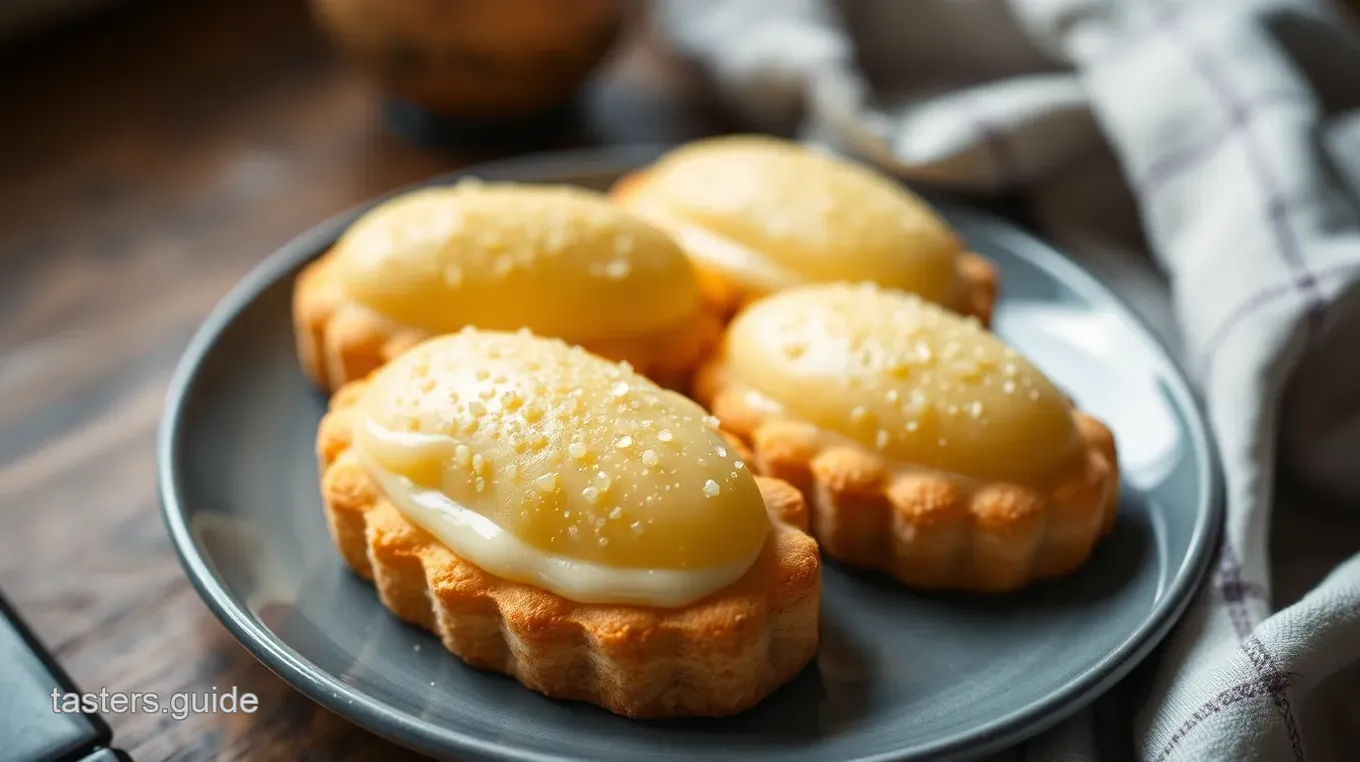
(477, 539)
(749, 267)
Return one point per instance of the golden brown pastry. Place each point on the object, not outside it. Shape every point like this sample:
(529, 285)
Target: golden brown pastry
(562, 519)
(758, 214)
(926, 447)
(561, 261)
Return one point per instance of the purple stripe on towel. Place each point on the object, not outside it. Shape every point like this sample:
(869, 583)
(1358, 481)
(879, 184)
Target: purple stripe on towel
(1303, 279)
(1270, 681)
(1171, 165)
(1258, 300)
(1236, 317)
(1279, 682)
(1267, 670)
(1254, 688)
(1232, 589)
(1277, 202)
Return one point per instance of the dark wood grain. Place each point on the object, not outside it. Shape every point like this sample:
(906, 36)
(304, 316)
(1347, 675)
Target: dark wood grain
(147, 161)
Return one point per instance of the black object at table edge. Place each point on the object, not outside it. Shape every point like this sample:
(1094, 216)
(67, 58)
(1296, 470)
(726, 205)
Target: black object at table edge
(96, 748)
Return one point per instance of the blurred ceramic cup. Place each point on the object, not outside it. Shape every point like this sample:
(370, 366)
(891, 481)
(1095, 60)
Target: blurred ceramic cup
(482, 60)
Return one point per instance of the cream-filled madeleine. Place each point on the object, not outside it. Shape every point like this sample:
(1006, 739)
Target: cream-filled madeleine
(925, 446)
(558, 260)
(758, 215)
(559, 518)
(906, 378)
(545, 464)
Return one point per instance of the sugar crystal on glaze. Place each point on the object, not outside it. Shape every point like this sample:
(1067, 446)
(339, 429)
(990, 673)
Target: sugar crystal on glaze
(571, 478)
(906, 378)
(773, 214)
(505, 256)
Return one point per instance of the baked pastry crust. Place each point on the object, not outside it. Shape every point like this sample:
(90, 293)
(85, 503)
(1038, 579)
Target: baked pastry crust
(716, 657)
(928, 529)
(340, 340)
(979, 287)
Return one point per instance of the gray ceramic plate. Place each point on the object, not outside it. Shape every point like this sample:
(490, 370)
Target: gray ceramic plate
(899, 676)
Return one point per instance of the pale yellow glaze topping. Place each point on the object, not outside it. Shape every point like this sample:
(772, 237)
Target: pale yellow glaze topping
(570, 454)
(770, 214)
(560, 261)
(906, 378)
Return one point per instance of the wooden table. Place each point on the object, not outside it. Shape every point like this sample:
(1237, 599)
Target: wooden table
(147, 161)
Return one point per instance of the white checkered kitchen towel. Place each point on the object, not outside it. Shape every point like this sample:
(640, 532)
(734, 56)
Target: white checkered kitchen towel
(1231, 130)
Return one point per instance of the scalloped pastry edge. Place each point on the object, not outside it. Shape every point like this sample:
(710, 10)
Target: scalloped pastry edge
(928, 529)
(339, 340)
(717, 657)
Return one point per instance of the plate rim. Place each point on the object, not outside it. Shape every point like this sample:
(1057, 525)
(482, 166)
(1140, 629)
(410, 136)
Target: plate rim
(410, 731)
